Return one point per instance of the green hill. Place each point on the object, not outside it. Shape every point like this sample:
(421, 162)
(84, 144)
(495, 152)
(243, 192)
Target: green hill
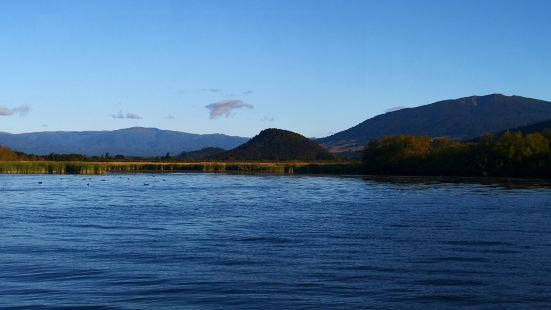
(276, 145)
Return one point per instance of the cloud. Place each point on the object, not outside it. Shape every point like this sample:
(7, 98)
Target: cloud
(247, 92)
(132, 116)
(119, 115)
(170, 116)
(267, 119)
(224, 108)
(395, 109)
(212, 90)
(21, 110)
(127, 115)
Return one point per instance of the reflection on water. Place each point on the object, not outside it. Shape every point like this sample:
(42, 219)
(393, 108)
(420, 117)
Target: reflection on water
(231, 241)
(504, 183)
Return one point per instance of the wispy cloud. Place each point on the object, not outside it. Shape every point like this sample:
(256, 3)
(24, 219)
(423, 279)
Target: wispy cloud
(267, 119)
(21, 110)
(247, 92)
(170, 116)
(127, 115)
(212, 90)
(132, 116)
(224, 108)
(395, 109)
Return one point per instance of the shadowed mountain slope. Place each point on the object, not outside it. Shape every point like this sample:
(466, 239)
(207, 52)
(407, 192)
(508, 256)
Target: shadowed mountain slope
(201, 154)
(542, 127)
(462, 118)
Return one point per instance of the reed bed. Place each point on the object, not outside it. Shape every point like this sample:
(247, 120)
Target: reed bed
(60, 167)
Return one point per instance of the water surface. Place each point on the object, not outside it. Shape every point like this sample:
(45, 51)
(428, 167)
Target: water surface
(232, 241)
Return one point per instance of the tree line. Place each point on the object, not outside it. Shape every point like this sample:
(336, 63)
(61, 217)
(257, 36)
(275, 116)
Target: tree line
(7, 154)
(507, 155)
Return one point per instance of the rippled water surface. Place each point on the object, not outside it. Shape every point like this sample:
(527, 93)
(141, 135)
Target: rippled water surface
(231, 241)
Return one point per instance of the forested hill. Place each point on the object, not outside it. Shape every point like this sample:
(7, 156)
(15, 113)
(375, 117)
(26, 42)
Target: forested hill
(463, 118)
(278, 145)
(7, 154)
(135, 141)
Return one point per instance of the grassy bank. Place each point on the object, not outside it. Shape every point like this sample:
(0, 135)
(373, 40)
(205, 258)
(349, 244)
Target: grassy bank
(61, 167)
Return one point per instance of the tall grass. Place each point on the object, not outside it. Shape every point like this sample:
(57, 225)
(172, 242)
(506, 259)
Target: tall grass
(51, 167)
(59, 167)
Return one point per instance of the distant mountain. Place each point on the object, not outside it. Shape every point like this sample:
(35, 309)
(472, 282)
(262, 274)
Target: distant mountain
(462, 118)
(136, 141)
(277, 144)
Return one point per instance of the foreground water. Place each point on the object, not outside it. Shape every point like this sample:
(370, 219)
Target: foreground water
(230, 241)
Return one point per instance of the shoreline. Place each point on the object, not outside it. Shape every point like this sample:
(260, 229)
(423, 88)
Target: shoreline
(352, 169)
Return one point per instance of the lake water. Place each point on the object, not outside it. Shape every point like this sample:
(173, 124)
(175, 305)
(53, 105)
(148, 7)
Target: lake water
(234, 241)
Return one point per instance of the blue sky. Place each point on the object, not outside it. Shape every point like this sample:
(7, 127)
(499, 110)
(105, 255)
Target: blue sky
(236, 67)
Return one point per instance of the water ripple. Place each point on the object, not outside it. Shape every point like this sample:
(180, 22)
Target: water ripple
(276, 242)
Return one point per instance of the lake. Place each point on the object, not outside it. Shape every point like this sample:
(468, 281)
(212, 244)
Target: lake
(145, 241)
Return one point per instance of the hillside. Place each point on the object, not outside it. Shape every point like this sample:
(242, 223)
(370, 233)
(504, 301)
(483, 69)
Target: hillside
(543, 127)
(462, 118)
(7, 154)
(200, 154)
(136, 141)
(277, 145)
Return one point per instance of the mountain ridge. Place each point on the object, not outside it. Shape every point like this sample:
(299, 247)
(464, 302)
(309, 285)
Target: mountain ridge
(133, 141)
(461, 118)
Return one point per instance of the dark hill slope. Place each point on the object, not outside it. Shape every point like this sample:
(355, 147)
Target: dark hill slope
(462, 118)
(201, 154)
(277, 144)
(542, 127)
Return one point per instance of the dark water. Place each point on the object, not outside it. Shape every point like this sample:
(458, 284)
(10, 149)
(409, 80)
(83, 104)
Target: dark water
(230, 241)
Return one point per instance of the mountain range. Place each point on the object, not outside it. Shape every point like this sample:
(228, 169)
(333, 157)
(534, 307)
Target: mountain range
(135, 141)
(460, 119)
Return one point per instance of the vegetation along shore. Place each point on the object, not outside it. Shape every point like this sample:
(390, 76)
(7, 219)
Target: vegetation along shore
(82, 167)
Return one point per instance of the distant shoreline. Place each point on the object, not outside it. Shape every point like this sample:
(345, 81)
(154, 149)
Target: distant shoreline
(349, 168)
